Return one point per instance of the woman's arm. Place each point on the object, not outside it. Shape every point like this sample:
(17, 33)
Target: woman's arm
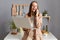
(39, 21)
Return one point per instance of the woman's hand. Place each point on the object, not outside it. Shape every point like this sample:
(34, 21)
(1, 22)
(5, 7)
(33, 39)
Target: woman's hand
(37, 12)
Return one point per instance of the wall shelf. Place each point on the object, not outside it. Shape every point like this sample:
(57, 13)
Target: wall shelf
(47, 17)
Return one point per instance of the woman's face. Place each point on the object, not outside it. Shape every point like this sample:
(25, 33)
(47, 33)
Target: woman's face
(34, 7)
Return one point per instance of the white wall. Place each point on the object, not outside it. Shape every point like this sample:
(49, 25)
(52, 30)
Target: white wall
(53, 7)
(54, 11)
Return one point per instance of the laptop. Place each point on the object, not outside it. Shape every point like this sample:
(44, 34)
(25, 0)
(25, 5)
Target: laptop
(20, 21)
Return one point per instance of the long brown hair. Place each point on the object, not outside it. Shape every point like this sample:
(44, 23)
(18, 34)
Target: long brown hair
(29, 13)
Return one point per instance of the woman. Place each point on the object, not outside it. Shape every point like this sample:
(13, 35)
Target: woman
(36, 22)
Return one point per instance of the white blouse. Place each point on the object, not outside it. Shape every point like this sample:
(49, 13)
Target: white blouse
(32, 21)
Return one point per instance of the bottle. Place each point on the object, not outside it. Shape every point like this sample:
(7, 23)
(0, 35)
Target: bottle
(43, 28)
(46, 28)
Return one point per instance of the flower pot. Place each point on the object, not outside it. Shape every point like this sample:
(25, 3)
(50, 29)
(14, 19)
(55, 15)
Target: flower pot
(46, 14)
(14, 31)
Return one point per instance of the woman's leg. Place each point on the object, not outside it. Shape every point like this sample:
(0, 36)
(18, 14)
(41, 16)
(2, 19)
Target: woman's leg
(37, 34)
(26, 32)
(30, 35)
(40, 34)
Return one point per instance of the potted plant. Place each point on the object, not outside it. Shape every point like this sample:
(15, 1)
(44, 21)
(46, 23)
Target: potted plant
(13, 28)
(45, 13)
